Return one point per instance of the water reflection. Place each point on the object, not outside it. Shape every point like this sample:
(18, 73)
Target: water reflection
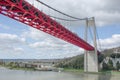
(106, 76)
(97, 76)
(6, 74)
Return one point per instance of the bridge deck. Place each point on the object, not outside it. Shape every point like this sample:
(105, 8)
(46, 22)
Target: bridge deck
(26, 13)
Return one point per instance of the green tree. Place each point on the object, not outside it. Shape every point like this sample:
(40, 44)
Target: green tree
(118, 55)
(75, 63)
(105, 66)
(10, 64)
(118, 65)
(100, 58)
(113, 55)
(110, 65)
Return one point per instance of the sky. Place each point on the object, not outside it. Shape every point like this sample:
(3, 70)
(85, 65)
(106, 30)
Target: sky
(20, 41)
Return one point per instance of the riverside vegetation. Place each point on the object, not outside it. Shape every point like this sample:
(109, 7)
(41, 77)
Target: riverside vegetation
(13, 65)
(77, 62)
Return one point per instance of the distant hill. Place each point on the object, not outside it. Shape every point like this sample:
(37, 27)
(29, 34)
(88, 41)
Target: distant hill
(77, 62)
(108, 52)
(31, 60)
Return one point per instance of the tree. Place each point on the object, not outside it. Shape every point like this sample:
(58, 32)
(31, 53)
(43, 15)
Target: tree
(74, 63)
(100, 58)
(105, 66)
(118, 55)
(110, 65)
(10, 64)
(118, 66)
(113, 55)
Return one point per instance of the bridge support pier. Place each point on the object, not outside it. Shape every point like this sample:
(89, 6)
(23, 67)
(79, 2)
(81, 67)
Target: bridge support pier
(91, 57)
(90, 61)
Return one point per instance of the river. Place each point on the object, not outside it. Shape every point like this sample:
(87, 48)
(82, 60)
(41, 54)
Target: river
(6, 74)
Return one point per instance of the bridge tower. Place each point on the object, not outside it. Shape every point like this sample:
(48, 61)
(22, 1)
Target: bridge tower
(91, 57)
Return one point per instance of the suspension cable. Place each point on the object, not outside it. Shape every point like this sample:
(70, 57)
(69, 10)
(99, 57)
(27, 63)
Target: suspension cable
(60, 11)
(91, 34)
(62, 18)
(98, 39)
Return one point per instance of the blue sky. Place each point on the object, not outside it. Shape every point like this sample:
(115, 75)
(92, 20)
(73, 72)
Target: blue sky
(21, 41)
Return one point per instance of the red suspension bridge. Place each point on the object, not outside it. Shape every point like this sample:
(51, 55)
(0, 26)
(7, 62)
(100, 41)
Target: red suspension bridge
(26, 13)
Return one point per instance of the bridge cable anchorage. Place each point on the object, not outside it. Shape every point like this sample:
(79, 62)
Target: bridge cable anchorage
(60, 11)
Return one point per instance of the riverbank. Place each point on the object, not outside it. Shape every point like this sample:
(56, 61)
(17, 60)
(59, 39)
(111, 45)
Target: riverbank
(115, 73)
(73, 70)
(33, 69)
(68, 70)
(17, 68)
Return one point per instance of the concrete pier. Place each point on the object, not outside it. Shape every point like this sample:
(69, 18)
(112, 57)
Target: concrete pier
(90, 61)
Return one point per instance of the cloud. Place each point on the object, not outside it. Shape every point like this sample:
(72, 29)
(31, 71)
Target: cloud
(18, 49)
(34, 34)
(111, 42)
(10, 43)
(106, 12)
(47, 44)
(10, 38)
(44, 45)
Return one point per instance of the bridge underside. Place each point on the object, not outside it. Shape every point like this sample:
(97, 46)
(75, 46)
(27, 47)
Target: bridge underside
(26, 13)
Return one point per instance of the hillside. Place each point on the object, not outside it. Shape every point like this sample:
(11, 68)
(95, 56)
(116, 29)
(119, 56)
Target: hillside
(108, 52)
(77, 62)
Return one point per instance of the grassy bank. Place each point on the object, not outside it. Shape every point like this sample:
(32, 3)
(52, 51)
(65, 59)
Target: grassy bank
(18, 68)
(115, 73)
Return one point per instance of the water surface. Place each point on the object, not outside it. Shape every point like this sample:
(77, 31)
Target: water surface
(6, 74)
